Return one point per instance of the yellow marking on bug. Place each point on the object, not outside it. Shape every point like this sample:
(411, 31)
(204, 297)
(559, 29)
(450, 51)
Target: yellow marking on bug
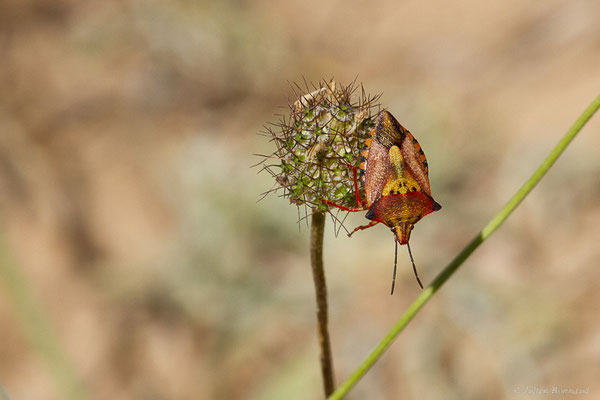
(396, 158)
(400, 186)
(405, 183)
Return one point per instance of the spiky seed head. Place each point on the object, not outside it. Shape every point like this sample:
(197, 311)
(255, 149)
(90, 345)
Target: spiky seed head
(319, 142)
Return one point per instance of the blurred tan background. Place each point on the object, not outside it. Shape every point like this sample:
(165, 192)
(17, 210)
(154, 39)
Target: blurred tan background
(129, 209)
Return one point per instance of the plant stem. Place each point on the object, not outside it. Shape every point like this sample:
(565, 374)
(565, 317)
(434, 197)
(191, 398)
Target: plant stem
(316, 260)
(449, 270)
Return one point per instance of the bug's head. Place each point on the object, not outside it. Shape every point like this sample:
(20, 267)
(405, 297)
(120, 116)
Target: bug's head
(402, 231)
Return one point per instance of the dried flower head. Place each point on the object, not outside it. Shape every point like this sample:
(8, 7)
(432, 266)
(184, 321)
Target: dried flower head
(319, 143)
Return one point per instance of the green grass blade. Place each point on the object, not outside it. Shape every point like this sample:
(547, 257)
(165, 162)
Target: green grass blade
(447, 272)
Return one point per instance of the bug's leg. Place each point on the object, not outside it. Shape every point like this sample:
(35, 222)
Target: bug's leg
(358, 202)
(356, 192)
(351, 209)
(360, 228)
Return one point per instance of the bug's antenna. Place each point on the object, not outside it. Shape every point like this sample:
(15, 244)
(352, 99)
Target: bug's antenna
(413, 263)
(395, 262)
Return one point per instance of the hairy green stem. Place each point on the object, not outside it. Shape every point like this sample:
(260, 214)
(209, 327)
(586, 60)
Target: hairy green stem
(447, 272)
(316, 260)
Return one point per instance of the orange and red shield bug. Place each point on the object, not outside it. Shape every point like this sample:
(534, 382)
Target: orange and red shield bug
(396, 183)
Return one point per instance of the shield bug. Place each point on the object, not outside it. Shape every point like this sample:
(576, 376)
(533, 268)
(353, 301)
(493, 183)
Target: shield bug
(396, 183)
